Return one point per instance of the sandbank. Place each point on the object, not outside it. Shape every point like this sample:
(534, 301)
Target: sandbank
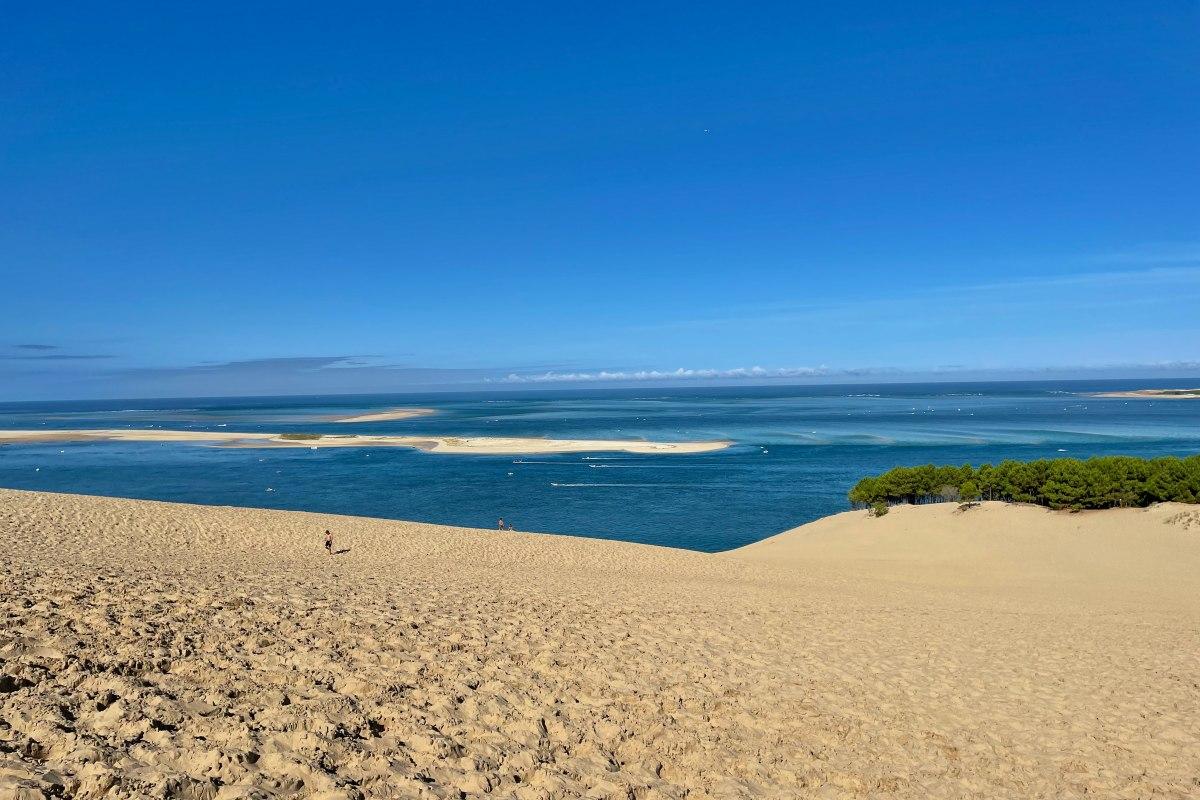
(1155, 394)
(168, 650)
(392, 414)
(452, 445)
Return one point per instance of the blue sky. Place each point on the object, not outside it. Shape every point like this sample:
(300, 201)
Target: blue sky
(273, 198)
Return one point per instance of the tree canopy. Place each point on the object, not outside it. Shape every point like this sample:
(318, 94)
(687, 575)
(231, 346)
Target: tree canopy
(1101, 482)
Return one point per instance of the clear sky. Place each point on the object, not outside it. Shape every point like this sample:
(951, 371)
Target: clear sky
(212, 198)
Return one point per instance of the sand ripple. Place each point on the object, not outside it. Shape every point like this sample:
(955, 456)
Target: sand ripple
(161, 650)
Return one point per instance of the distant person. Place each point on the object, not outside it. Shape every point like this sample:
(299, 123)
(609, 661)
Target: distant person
(329, 542)
(500, 525)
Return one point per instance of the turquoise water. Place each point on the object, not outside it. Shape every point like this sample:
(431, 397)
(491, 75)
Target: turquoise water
(797, 451)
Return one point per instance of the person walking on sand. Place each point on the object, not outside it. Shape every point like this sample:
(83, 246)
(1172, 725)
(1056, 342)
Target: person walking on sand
(500, 524)
(328, 542)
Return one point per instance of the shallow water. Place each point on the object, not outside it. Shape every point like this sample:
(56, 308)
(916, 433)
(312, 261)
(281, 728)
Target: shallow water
(797, 451)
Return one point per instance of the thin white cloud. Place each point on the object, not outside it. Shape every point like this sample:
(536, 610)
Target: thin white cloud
(680, 374)
(886, 373)
(1094, 289)
(1159, 253)
(1150, 276)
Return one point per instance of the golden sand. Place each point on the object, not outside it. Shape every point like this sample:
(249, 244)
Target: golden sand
(1155, 394)
(392, 414)
(163, 650)
(452, 445)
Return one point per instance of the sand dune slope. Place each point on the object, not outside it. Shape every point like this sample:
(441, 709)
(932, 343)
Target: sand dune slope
(161, 650)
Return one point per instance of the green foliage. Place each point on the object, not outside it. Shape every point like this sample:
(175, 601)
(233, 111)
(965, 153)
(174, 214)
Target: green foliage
(879, 509)
(300, 437)
(1103, 482)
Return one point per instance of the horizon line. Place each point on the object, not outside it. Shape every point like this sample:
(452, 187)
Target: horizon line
(585, 386)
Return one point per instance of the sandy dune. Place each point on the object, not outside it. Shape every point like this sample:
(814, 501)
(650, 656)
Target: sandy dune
(162, 650)
(451, 445)
(393, 414)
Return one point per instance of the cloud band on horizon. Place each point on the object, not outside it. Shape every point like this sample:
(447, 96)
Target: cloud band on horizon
(783, 373)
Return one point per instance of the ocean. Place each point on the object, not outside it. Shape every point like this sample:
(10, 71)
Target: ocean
(796, 452)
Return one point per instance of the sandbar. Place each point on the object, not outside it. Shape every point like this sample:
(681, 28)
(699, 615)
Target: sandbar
(392, 414)
(1155, 394)
(450, 445)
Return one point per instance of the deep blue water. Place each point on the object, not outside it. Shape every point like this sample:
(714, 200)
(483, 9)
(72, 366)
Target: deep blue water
(798, 450)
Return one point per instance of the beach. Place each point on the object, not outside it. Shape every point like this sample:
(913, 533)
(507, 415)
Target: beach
(155, 649)
(454, 445)
(791, 457)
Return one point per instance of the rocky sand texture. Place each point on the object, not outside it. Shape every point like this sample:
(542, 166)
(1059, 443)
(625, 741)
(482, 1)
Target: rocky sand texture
(162, 650)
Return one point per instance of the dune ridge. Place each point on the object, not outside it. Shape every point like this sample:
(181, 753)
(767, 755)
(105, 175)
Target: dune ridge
(156, 649)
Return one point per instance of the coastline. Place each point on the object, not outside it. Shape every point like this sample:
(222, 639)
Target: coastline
(927, 653)
(450, 445)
